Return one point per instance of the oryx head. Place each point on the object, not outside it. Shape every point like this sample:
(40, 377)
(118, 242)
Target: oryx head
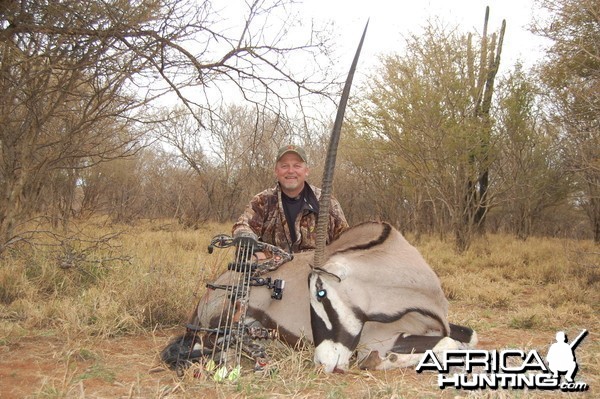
(336, 324)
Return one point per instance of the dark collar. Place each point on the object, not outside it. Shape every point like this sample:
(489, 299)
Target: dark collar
(312, 203)
(310, 198)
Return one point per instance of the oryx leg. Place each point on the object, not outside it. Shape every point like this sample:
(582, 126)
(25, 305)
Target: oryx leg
(394, 360)
(463, 334)
(184, 350)
(380, 339)
(407, 349)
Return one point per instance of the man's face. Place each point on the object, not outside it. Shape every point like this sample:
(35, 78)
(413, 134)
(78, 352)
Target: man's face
(291, 172)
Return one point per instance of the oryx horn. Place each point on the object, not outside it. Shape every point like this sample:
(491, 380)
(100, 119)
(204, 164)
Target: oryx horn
(327, 183)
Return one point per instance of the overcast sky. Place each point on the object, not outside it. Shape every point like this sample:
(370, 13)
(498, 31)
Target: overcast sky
(390, 20)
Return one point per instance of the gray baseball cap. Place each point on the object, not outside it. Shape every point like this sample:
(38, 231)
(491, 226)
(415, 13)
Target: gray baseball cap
(293, 149)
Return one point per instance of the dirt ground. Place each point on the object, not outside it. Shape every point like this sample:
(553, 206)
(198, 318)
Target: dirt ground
(57, 367)
(128, 367)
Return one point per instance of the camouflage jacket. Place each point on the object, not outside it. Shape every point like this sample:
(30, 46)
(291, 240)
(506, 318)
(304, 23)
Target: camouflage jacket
(264, 216)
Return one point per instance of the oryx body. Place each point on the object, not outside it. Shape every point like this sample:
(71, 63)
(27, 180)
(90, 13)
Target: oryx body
(381, 299)
(375, 293)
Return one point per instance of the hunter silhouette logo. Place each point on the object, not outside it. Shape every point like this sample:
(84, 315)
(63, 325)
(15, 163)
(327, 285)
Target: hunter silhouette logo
(561, 355)
(509, 368)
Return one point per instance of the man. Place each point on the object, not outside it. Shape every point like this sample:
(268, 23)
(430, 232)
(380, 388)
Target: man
(286, 215)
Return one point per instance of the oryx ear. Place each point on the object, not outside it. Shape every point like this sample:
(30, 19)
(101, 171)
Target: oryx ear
(341, 270)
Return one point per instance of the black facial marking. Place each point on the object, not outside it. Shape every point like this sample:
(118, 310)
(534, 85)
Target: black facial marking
(320, 331)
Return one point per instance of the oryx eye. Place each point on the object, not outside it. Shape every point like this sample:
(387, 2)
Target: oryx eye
(321, 294)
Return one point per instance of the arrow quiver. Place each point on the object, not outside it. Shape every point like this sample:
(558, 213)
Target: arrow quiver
(220, 345)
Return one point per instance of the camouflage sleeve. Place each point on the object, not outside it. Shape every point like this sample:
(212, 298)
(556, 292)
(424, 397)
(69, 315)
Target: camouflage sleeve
(337, 220)
(252, 218)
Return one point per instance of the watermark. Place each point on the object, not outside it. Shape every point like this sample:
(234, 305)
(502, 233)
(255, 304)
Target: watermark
(508, 369)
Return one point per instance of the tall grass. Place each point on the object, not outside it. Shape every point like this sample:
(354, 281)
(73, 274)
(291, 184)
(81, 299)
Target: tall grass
(151, 275)
(146, 277)
(541, 282)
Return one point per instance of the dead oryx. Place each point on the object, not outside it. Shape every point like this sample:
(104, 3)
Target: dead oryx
(375, 295)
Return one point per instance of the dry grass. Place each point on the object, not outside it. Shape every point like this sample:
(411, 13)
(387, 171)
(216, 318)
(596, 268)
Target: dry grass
(149, 278)
(151, 282)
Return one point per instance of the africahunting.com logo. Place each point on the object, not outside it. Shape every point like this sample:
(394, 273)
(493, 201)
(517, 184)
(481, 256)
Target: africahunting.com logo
(508, 369)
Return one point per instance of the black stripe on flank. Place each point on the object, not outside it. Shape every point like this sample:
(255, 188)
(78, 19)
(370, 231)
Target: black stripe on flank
(390, 318)
(415, 343)
(385, 233)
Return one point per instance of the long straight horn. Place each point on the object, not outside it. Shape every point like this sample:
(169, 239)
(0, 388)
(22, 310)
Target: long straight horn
(327, 184)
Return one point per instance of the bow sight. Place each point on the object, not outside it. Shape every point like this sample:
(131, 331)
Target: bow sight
(276, 285)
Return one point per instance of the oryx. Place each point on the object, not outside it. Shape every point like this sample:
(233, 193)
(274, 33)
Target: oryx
(375, 294)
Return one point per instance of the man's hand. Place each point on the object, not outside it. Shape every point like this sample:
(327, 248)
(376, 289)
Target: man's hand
(245, 240)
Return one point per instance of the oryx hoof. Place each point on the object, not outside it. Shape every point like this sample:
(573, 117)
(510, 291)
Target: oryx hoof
(371, 361)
